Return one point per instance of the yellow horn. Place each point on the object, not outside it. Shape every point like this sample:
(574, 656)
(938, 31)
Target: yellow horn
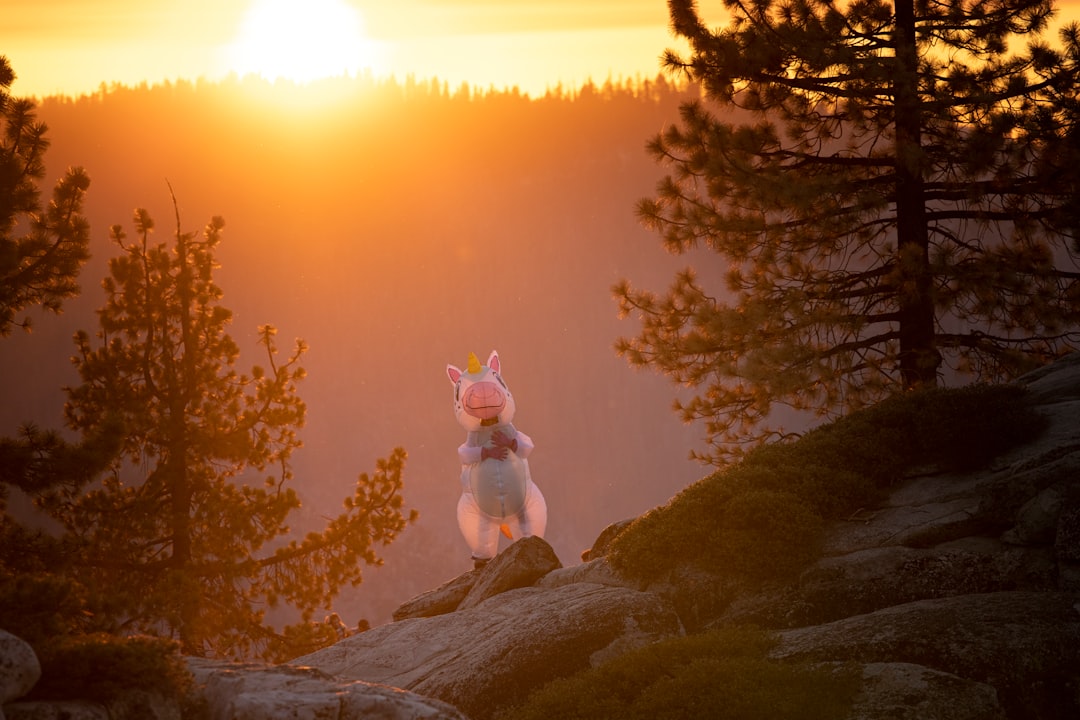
(474, 364)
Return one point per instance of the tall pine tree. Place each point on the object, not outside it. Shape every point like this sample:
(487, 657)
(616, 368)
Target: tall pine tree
(892, 188)
(41, 249)
(184, 535)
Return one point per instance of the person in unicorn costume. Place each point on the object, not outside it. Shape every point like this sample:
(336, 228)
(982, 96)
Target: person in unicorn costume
(497, 492)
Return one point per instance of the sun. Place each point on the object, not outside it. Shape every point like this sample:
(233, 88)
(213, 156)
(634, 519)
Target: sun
(301, 40)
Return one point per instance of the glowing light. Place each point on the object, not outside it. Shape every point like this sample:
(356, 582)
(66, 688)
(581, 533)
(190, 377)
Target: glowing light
(301, 40)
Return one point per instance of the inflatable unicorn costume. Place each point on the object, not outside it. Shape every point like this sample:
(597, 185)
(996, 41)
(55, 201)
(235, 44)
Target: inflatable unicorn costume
(497, 492)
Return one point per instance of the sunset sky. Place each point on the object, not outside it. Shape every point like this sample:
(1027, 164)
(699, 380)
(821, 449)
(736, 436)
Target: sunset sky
(73, 46)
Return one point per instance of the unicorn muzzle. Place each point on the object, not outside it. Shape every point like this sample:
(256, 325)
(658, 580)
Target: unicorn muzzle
(484, 400)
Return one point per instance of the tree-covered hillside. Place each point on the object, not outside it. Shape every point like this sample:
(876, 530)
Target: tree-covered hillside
(396, 229)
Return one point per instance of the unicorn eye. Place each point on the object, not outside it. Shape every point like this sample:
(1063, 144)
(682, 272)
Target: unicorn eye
(499, 378)
(457, 392)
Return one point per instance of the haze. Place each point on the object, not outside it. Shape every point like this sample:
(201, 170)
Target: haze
(397, 228)
(394, 222)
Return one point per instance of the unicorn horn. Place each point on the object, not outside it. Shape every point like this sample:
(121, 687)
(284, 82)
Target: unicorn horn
(474, 365)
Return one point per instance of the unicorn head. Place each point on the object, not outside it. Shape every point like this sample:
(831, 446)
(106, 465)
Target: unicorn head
(481, 397)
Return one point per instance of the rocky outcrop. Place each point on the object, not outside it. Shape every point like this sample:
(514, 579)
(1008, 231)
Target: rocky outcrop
(439, 601)
(973, 575)
(957, 597)
(1026, 645)
(491, 653)
(247, 691)
(231, 691)
(521, 565)
(901, 691)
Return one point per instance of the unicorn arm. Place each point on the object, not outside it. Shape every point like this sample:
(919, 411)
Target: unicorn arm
(469, 454)
(524, 445)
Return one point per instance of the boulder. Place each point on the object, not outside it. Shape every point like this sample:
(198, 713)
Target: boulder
(921, 512)
(234, 691)
(598, 571)
(1037, 519)
(902, 691)
(875, 578)
(1024, 644)
(1054, 383)
(19, 667)
(439, 601)
(493, 654)
(520, 565)
(603, 541)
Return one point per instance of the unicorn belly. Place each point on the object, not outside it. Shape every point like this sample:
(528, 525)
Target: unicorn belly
(499, 486)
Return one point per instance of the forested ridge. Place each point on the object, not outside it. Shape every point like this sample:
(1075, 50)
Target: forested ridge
(395, 227)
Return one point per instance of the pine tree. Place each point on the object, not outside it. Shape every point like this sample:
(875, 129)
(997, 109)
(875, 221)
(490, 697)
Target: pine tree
(893, 190)
(41, 250)
(184, 535)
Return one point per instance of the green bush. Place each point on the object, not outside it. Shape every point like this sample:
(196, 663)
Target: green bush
(826, 489)
(722, 674)
(761, 518)
(683, 528)
(953, 428)
(52, 614)
(762, 534)
(40, 606)
(102, 668)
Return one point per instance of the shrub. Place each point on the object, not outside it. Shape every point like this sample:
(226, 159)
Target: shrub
(52, 614)
(683, 528)
(40, 606)
(954, 428)
(301, 639)
(763, 534)
(721, 674)
(826, 489)
(760, 518)
(102, 668)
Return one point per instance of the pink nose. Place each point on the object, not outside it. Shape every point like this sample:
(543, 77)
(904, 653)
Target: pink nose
(484, 400)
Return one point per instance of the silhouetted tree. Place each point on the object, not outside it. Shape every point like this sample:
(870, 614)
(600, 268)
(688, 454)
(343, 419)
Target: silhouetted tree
(175, 540)
(892, 186)
(41, 254)
(36, 462)
(41, 250)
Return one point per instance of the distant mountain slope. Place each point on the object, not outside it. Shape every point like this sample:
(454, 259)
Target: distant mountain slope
(395, 231)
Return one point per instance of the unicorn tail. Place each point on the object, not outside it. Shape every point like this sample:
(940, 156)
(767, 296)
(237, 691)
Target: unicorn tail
(506, 531)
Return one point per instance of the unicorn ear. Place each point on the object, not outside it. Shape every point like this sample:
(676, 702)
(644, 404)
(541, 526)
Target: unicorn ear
(493, 361)
(453, 373)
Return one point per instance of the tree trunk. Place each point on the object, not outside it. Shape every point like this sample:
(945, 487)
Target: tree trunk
(186, 390)
(919, 358)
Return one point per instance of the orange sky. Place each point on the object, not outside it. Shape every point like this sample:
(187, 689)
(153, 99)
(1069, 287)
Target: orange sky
(73, 46)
